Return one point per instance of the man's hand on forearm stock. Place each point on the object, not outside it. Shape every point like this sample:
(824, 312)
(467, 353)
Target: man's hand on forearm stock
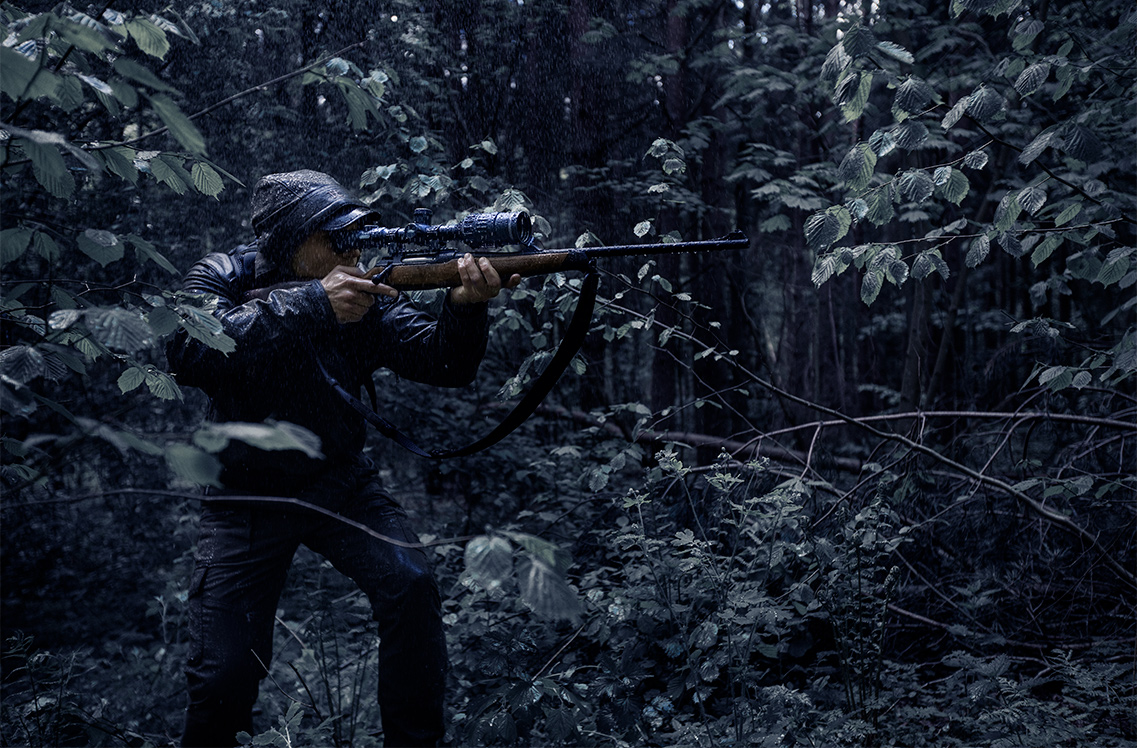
(480, 281)
(351, 292)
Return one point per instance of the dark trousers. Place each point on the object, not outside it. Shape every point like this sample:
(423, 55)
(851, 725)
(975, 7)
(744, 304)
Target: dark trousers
(243, 554)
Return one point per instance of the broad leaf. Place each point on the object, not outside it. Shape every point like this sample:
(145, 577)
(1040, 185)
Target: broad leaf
(13, 244)
(823, 229)
(180, 126)
(871, 285)
(1031, 79)
(119, 329)
(49, 167)
(546, 592)
(984, 103)
(101, 246)
(489, 561)
(194, 465)
(915, 185)
(271, 436)
(978, 252)
(206, 180)
(857, 167)
(913, 95)
(149, 37)
(128, 68)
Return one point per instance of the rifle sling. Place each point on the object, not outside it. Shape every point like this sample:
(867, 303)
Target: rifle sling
(570, 344)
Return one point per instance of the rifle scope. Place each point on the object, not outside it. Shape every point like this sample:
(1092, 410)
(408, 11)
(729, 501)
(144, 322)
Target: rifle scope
(477, 230)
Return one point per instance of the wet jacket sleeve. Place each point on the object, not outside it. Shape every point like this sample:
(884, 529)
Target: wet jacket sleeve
(262, 329)
(445, 352)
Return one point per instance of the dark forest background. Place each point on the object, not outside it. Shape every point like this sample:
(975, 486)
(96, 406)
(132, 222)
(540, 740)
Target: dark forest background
(868, 482)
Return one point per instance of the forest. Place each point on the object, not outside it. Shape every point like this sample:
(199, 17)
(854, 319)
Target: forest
(869, 481)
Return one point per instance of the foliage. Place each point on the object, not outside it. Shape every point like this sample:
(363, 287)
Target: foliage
(868, 483)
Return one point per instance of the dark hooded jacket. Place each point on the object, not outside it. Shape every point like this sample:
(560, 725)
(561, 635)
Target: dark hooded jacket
(284, 334)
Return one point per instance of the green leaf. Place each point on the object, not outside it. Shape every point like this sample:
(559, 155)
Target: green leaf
(204, 327)
(978, 252)
(169, 171)
(859, 41)
(13, 244)
(359, 104)
(128, 68)
(1056, 377)
(1068, 213)
(1035, 148)
(180, 126)
(206, 180)
(1080, 142)
(120, 162)
(835, 63)
(975, 159)
(1115, 267)
(147, 251)
(550, 553)
(21, 78)
(880, 208)
(1007, 212)
(956, 187)
(162, 321)
(896, 52)
(489, 561)
(131, 379)
(823, 229)
(270, 435)
(871, 285)
(853, 106)
(779, 222)
(643, 228)
(418, 144)
(928, 262)
(101, 246)
(150, 38)
(911, 135)
(546, 592)
(1032, 78)
(119, 329)
(857, 167)
(913, 95)
(915, 185)
(49, 167)
(45, 246)
(1032, 199)
(984, 104)
(194, 465)
(1046, 248)
(955, 114)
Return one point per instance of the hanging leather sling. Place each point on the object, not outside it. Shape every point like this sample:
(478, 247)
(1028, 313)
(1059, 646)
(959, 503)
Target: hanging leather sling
(574, 338)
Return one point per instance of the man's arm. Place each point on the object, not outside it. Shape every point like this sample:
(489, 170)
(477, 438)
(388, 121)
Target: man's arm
(445, 352)
(261, 328)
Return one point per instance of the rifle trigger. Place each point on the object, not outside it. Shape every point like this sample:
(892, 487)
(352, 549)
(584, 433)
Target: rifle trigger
(382, 277)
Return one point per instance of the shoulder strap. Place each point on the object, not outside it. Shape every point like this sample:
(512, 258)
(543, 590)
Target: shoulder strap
(570, 344)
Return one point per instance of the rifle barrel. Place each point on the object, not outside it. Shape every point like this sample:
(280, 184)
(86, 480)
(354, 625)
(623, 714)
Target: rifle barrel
(411, 276)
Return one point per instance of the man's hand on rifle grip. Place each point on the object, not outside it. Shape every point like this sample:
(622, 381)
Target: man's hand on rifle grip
(480, 281)
(351, 292)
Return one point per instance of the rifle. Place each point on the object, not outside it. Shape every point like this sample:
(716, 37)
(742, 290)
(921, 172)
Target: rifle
(433, 265)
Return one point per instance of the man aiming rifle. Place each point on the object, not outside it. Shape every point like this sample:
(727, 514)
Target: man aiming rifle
(300, 312)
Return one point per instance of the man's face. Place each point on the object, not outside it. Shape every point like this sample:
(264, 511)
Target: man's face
(315, 258)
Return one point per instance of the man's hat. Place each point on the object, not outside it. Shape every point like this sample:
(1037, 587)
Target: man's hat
(290, 207)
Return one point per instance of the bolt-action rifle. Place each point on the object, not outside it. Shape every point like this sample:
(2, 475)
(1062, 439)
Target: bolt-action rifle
(430, 264)
(433, 265)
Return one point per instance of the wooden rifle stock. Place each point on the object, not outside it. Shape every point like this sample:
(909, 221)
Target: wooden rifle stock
(429, 273)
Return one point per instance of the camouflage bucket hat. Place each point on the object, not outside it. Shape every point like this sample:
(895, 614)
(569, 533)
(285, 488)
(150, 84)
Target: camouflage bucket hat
(289, 207)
